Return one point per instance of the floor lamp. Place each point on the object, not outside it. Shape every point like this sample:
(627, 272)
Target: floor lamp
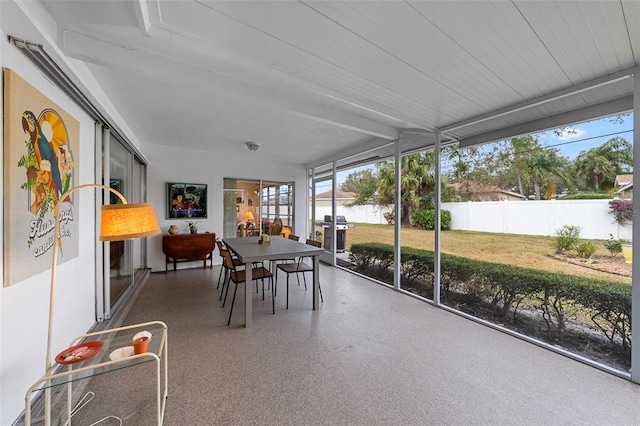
(118, 222)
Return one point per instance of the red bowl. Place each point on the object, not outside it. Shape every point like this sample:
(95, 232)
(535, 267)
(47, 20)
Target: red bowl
(79, 352)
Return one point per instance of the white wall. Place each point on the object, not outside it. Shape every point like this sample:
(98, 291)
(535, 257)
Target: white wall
(24, 306)
(537, 217)
(211, 169)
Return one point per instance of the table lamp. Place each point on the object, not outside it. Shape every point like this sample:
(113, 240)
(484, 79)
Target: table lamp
(248, 216)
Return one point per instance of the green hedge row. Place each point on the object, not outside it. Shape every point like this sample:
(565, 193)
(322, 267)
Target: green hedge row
(587, 196)
(556, 296)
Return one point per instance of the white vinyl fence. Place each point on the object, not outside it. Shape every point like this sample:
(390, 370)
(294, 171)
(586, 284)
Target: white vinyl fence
(537, 217)
(510, 217)
(356, 214)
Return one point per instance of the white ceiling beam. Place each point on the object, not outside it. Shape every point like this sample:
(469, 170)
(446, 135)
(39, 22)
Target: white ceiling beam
(611, 78)
(411, 140)
(165, 69)
(363, 148)
(141, 10)
(591, 112)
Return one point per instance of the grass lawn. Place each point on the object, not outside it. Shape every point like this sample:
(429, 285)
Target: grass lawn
(529, 251)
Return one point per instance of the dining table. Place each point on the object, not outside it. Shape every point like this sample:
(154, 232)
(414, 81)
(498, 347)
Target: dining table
(249, 250)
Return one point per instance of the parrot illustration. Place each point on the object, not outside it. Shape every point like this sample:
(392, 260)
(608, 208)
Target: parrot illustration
(43, 148)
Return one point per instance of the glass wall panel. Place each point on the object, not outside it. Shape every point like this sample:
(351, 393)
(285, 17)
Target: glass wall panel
(241, 208)
(120, 252)
(323, 227)
(364, 219)
(231, 208)
(539, 226)
(417, 222)
(276, 208)
(310, 206)
(138, 196)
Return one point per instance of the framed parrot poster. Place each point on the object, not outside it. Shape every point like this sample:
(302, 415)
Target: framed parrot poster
(41, 143)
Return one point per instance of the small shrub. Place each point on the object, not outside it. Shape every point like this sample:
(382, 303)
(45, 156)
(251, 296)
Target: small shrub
(622, 210)
(566, 238)
(586, 249)
(614, 245)
(426, 219)
(423, 218)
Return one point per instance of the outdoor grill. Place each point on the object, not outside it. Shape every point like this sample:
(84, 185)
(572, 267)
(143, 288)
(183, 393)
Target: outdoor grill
(341, 232)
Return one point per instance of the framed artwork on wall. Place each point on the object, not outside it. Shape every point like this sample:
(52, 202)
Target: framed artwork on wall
(186, 200)
(41, 151)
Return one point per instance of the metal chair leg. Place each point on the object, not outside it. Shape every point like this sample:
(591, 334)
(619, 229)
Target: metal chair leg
(220, 276)
(225, 295)
(232, 302)
(273, 298)
(287, 291)
(275, 284)
(225, 280)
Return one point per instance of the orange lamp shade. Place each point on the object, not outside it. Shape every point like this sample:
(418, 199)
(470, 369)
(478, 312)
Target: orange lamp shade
(249, 216)
(128, 221)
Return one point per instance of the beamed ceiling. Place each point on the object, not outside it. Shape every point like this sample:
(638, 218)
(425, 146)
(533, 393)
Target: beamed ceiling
(311, 81)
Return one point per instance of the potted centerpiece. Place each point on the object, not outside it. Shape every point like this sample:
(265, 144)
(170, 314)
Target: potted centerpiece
(193, 226)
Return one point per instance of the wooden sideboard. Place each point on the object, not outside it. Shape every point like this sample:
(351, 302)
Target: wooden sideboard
(188, 247)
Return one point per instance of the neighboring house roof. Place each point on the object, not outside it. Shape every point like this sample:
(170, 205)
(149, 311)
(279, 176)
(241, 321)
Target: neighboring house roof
(627, 187)
(622, 180)
(479, 192)
(339, 194)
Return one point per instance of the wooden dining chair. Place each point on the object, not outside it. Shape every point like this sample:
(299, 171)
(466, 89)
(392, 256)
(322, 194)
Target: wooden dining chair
(237, 262)
(290, 259)
(221, 248)
(240, 276)
(285, 259)
(298, 267)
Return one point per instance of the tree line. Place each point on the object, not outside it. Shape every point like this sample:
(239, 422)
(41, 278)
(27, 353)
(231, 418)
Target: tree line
(521, 165)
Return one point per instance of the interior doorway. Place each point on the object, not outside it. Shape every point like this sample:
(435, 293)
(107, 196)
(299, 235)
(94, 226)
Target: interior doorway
(252, 207)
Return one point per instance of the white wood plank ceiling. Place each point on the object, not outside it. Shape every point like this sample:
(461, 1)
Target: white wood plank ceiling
(310, 80)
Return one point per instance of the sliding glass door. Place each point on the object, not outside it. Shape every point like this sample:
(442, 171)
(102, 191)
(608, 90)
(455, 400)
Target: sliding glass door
(125, 262)
(120, 252)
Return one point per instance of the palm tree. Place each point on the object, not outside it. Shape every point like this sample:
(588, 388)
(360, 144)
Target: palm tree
(601, 164)
(416, 182)
(543, 165)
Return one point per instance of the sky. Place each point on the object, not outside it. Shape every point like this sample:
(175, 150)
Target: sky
(574, 139)
(584, 136)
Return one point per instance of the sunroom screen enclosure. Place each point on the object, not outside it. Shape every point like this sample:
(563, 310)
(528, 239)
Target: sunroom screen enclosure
(569, 290)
